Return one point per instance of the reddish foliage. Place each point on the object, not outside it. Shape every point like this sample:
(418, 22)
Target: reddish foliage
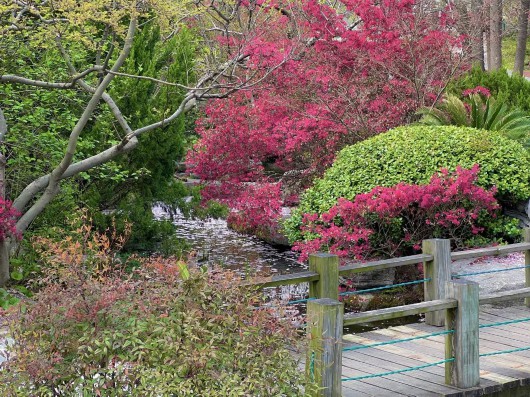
(342, 84)
(477, 90)
(391, 221)
(257, 208)
(8, 220)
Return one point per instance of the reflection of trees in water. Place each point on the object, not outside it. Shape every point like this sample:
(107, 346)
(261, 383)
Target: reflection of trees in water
(214, 243)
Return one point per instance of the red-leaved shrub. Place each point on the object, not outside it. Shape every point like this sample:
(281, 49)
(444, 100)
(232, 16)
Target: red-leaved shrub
(258, 210)
(390, 221)
(8, 219)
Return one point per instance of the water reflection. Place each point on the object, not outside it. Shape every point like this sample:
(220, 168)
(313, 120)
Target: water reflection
(215, 243)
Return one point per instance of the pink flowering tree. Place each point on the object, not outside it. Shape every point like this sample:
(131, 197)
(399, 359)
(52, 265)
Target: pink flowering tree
(390, 221)
(357, 69)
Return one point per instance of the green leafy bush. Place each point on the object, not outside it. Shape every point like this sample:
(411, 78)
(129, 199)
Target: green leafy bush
(163, 330)
(514, 90)
(477, 112)
(411, 154)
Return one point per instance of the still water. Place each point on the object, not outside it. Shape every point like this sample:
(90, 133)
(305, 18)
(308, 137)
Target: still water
(215, 244)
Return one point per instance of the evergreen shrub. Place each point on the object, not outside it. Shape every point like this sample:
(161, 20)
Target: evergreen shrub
(412, 154)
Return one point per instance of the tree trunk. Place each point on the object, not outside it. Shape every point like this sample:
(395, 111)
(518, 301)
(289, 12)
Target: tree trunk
(522, 26)
(4, 262)
(477, 33)
(4, 244)
(495, 35)
(487, 49)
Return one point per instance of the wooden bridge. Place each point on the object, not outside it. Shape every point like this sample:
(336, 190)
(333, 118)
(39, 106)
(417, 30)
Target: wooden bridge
(506, 373)
(465, 347)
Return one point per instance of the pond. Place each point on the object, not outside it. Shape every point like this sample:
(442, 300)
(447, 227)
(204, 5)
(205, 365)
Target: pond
(215, 244)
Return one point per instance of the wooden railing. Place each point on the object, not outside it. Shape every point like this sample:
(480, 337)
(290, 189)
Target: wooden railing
(453, 302)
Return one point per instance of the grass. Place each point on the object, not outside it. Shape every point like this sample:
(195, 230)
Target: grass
(508, 52)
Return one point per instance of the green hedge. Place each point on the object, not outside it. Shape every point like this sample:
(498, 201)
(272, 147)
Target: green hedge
(412, 154)
(514, 90)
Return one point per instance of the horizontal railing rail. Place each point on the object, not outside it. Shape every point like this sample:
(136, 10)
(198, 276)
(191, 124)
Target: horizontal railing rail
(505, 296)
(287, 279)
(361, 267)
(449, 300)
(398, 311)
(490, 251)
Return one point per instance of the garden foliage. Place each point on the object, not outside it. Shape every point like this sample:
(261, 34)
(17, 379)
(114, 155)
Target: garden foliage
(163, 329)
(412, 154)
(479, 110)
(513, 91)
(357, 69)
(392, 221)
(8, 219)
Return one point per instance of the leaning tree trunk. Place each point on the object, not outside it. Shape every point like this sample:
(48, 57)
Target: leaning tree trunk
(4, 243)
(522, 26)
(495, 35)
(4, 262)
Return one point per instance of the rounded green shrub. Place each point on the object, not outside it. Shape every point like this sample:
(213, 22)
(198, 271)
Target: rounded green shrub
(412, 154)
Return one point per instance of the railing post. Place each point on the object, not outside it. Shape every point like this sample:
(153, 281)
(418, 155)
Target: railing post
(463, 343)
(327, 266)
(438, 270)
(526, 235)
(324, 355)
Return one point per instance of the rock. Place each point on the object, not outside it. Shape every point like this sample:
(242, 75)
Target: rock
(521, 212)
(275, 238)
(373, 279)
(180, 167)
(293, 184)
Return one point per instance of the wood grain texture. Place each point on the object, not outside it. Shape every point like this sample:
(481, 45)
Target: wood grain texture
(501, 375)
(438, 270)
(327, 267)
(398, 311)
(324, 355)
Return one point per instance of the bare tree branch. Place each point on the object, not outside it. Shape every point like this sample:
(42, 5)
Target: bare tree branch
(10, 78)
(39, 184)
(57, 174)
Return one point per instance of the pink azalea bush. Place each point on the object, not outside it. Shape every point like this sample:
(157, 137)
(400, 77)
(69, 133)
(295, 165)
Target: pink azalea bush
(391, 221)
(257, 210)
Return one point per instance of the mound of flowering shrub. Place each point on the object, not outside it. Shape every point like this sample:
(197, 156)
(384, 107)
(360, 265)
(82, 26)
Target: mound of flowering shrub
(392, 221)
(412, 154)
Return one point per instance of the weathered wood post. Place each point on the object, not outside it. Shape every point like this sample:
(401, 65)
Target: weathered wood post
(526, 235)
(324, 355)
(463, 343)
(438, 270)
(327, 266)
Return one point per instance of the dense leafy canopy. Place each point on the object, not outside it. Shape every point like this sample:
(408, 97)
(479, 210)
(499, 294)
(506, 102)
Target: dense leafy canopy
(364, 66)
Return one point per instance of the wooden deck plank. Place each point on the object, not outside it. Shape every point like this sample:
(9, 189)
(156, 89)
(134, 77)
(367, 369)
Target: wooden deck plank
(398, 383)
(430, 383)
(490, 365)
(497, 372)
